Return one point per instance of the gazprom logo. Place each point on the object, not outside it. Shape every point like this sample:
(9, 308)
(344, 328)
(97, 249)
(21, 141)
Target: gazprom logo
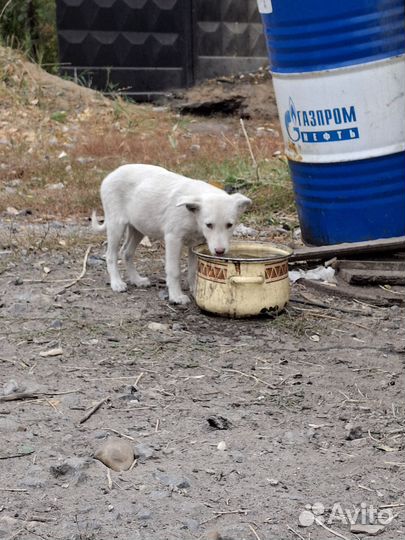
(328, 125)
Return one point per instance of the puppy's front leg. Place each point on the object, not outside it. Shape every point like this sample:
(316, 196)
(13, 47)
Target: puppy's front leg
(192, 270)
(173, 253)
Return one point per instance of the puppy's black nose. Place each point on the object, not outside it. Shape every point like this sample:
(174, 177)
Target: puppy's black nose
(219, 251)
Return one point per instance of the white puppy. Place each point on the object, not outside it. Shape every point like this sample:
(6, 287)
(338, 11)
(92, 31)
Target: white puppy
(145, 200)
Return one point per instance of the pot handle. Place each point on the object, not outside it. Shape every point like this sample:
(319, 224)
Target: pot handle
(242, 280)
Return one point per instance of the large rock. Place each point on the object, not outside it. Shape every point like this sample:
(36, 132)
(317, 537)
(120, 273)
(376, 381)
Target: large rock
(115, 453)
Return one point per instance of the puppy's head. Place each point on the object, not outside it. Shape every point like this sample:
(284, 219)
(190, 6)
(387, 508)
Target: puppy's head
(216, 216)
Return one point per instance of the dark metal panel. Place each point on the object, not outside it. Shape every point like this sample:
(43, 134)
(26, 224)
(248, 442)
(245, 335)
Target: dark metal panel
(158, 45)
(137, 36)
(228, 37)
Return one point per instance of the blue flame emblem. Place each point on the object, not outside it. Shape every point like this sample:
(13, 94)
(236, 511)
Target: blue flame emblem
(291, 122)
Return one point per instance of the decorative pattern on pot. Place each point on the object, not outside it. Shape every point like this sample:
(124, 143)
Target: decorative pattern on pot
(275, 272)
(212, 271)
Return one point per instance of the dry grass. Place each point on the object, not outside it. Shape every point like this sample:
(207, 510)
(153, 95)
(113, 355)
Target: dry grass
(54, 132)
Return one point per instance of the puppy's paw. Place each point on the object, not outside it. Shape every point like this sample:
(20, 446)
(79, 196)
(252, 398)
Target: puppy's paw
(179, 299)
(118, 286)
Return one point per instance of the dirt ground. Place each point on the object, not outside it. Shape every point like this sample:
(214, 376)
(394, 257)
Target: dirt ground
(310, 406)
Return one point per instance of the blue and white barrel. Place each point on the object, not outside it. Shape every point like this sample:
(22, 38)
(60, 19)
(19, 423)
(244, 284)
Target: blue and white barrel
(338, 71)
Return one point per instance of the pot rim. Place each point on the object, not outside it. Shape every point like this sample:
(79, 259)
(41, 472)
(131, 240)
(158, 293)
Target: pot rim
(224, 258)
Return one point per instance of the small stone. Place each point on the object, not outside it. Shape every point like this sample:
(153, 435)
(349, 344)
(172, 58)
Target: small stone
(353, 432)
(56, 324)
(242, 230)
(115, 453)
(35, 478)
(273, 481)
(144, 514)
(191, 524)
(163, 295)
(72, 469)
(18, 281)
(222, 446)
(218, 422)
(158, 327)
(51, 352)
(95, 260)
(172, 480)
(143, 452)
(10, 387)
(56, 187)
(370, 530)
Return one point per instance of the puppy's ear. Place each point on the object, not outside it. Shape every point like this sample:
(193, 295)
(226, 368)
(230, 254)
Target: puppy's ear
(241, 201)
(191, 203)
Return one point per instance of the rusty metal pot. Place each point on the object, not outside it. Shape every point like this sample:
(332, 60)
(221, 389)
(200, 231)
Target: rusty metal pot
(252, 278)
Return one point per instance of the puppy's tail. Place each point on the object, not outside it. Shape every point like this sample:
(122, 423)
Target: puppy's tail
(95, 224)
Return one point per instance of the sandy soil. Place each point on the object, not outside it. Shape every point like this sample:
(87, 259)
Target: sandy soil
(313, 404)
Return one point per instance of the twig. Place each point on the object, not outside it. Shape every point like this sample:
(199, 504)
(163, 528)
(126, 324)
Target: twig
(324, 316)
(157, 425)
(118, 433)
(133, 464)
(250, 377)
(314, 303)
(16, 534)
(19, 395)
(82, 273)
(330, 530)
(5, 7)
(254, 532)
(295, 532)
(21, 454)
(14, 490)
(34, 395)
(224, 512)
(109, 479)
(92, 410)
(255, 165)
(138, 379)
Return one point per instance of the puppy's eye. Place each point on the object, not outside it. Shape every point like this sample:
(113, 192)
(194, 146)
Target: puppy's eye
(209, 225)
(229, 225)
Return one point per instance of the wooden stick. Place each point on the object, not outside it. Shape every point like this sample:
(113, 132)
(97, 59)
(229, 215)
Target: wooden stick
(138, 379)
(118, 433)
(19, 395)
(82, 273)
(21, 454)
(93, 410)
(250, 377)
(255, 164)
(109, 479)
(17, 533)
(14, 490)
(295, 532)
(330, 530)
(34, 395)
(254, 532)
(325, 252)
(324, 316)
